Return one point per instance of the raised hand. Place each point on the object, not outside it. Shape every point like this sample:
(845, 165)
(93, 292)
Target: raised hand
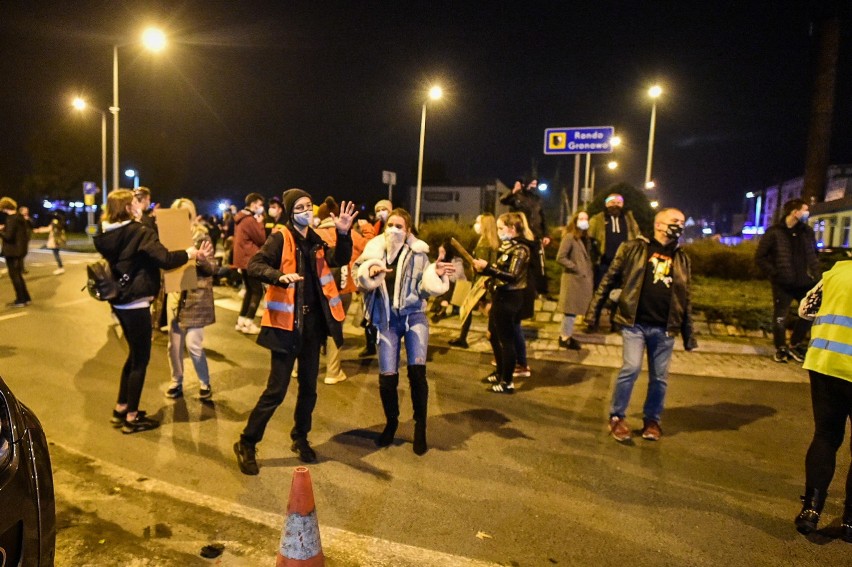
(344, 221)
(205, 252)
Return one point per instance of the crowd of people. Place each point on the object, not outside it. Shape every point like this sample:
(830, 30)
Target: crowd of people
(303, 262)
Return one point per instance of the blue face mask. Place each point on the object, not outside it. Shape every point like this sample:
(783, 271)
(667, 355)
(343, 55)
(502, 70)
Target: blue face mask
(304, 219)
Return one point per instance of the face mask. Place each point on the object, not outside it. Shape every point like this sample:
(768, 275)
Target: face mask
(674, 231)
(583, 224)
(804, 217)
(382, 215)
(395, 233)
(304, 219)
(505, 236)
(258, 210)
(477, 228)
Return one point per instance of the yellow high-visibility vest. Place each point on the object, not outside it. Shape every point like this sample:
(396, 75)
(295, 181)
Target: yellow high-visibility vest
(830, 349)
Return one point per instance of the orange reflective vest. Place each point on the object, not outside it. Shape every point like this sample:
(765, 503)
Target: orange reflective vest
(281, 301)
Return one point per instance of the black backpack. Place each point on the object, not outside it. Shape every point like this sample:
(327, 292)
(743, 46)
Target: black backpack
(101, 282)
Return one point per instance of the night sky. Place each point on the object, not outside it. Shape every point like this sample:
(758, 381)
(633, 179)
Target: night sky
(263, 96)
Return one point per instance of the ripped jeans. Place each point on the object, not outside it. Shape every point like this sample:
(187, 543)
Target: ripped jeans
(414, 330)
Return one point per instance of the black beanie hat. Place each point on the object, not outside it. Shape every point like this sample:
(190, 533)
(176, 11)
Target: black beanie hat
(289, 198)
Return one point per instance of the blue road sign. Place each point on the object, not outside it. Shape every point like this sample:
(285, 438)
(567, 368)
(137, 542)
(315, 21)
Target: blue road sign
(586, 140)
(90, 188)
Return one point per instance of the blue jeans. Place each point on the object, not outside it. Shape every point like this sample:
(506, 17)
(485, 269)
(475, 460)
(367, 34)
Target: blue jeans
(414, 330)
(660, 345)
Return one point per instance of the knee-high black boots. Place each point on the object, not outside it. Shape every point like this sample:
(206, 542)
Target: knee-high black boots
(388, 384)
(419, 402)
(812, 503)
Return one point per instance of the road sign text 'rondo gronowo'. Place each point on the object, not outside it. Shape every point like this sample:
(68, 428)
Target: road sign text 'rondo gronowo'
(585, 140)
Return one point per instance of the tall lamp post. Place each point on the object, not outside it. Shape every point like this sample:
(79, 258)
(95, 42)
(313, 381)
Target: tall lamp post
(134, 175)
(654, 92)
(434, 93)
(609, 165)
(80, 104)
(154, 40)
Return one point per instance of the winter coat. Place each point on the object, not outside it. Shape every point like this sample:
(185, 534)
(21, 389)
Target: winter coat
(266, 266)
(627, 271)
(194, 308)
(15, 236)
(774, 256)
(576, 287)
(56, 237)
(249, 236)
(135, 250)
(416, 280)
(598, 227)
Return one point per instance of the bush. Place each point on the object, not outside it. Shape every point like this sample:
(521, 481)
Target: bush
(733, 303)
(436, 232)
(715, 260)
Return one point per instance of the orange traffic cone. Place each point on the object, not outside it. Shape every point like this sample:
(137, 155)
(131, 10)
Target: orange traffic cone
(300, 538)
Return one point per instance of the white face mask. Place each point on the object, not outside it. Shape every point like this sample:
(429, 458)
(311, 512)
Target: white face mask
(394, 234)
(305, 218)
(583, 224)
(258, 210)
(477, 228)
(505, 236)
(382, 215)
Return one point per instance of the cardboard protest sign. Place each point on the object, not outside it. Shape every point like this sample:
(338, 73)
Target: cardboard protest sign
(175, 230)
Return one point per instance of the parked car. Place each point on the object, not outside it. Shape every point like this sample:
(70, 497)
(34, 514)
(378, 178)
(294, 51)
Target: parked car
(27, 507)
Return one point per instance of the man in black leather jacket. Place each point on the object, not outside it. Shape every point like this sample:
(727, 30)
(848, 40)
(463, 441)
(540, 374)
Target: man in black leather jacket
(654, 306)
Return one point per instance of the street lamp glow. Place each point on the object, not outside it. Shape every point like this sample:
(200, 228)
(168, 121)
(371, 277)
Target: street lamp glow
(130, 172)
(612, 164)
(79, 103)
(542, 186)
(650, 185)
(154, 39)
(615, 141)
(655, 91)
(750, 195)
(654, 204)
(436, 92)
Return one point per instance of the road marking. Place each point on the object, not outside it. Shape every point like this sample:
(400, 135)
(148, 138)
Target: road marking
(355, 548)
(13, 315)
(75, 302)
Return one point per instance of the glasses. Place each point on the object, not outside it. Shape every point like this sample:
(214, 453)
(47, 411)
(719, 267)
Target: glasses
(303, 208)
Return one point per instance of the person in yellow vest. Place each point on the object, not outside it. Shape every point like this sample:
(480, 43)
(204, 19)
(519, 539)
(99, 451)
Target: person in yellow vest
(303, 307)
(829, 363)
(396, 277)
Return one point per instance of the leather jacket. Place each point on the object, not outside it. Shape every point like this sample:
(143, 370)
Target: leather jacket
(627, 272)
(509, 271)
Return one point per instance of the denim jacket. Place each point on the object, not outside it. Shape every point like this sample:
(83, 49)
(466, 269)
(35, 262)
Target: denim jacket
(416, 280)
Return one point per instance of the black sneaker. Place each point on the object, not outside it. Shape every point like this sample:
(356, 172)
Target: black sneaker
(205, 392)
(174, 392)
(781, 355)
(571, 343)
(302, 448)
(458, 342)
(798, 352)
(367, 352)
(246, 458)
(492, 378)
(117, 419)
(141, 423)
(503, 388)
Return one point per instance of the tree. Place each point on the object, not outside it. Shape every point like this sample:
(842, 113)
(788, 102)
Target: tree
(634, 200)
(61, 161)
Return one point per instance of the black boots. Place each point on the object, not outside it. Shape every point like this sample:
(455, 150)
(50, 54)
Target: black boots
(419, 402)
(846, 524)
(388, 384)
(808, 518)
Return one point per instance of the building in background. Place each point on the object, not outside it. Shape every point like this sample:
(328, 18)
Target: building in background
(458, 202)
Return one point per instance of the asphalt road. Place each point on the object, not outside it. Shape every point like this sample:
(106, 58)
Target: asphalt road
(534, 476)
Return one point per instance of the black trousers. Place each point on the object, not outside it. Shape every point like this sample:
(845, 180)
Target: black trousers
(16, 274)
(504, 316)
(781, 299)
(313, 336)
(832, 403)
(136, 324)
(254, 293)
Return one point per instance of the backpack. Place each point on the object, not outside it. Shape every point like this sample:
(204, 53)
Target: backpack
(101, 282)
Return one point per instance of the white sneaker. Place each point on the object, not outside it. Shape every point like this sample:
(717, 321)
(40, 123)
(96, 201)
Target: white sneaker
(241, 321)
(335, 379)
(250, 328)
(58, 271)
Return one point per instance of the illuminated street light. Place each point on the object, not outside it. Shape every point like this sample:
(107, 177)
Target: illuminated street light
(154, 40)
(650, 185)
(80, 104)
(542, 187)
(134, 174)
(434, 93)
(654, 92)
(615, 141)
(610, 165)
(654, 204)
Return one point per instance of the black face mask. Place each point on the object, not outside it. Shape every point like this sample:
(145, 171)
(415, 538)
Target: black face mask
(674, 231)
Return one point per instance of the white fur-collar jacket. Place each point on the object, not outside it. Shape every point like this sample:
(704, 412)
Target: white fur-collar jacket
(416, 280)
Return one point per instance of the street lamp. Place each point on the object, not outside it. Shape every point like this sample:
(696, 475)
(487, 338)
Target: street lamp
(654, 92)
(154, 40)
(133, 174)
(81, 105)
(610, 165)
(434, 93)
